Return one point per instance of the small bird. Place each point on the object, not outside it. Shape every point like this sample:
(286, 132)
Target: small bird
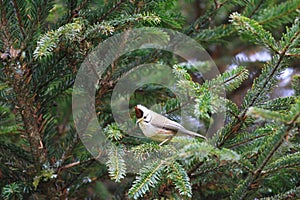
(158, 127)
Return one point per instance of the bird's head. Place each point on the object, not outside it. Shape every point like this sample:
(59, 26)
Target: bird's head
(142, 114)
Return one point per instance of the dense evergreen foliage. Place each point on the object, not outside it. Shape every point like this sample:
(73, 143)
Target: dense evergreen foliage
(43, 43)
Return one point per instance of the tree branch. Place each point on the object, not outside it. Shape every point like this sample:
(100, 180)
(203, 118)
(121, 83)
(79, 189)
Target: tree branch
(116, 6)
(18, 15)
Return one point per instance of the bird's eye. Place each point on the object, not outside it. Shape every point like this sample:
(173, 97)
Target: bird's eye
(146, 118)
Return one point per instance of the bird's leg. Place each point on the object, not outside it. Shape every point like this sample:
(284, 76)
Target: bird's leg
(166, 140)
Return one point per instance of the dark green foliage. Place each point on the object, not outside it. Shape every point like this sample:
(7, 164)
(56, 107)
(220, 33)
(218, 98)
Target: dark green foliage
(296, 85)
(180, 178)
(253, 31)
(253, 155)
(116, 164)
(148, 178)
(12, 191)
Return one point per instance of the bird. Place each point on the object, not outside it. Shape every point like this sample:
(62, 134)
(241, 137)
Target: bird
(158, 127)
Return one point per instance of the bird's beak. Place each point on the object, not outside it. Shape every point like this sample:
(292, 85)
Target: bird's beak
(139, 121)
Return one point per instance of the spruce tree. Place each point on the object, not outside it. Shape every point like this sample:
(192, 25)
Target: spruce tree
(255, 155)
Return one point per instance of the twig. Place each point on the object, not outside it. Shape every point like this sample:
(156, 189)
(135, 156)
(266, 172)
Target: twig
(116, 6)
(77, 9)
(242, 116)
(21, 25)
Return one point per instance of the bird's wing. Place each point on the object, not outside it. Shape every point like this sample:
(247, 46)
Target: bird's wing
(168, 124)
(165, 123)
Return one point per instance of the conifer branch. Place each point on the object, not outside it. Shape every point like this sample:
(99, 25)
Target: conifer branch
(242, 116)
(75, 12)
(271, 153)
(246, 141)
(18, 15)
(38, 137)
(258, 172)
(68, 152)
(6, 37)
(29, 116)
(87, 164)
(276, 141)
(282, 163)
(115, 7)
(256, 8)
(286, 10)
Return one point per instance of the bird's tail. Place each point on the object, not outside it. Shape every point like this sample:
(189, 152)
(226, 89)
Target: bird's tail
(195, 134)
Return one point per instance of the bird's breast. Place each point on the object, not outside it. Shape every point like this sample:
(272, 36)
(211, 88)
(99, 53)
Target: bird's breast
(148, 129)
(154, 132)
